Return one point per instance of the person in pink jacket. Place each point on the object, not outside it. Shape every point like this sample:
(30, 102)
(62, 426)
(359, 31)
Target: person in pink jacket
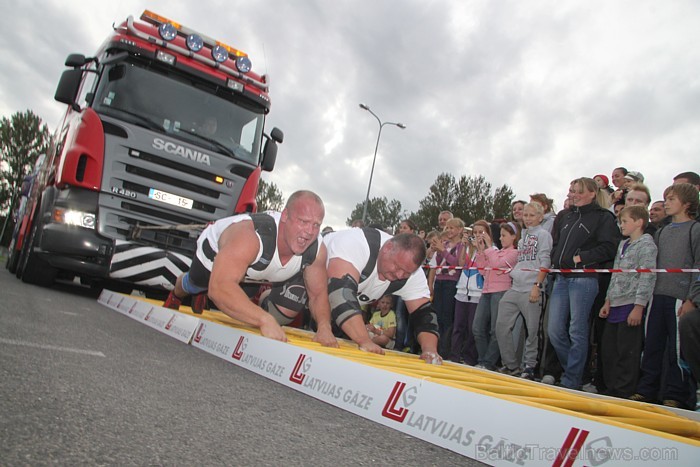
(496, 283)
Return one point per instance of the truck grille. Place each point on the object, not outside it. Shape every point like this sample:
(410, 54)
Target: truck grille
(133, 166)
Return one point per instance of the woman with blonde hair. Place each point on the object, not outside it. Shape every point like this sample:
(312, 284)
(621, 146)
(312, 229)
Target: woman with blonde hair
(448, 256)
(587, 237)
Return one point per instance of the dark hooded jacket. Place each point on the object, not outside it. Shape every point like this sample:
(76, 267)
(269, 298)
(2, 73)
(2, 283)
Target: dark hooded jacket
(590, 232)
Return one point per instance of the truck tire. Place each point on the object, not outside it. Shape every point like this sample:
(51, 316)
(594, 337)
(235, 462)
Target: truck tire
(32, 269)
(38, 272)
(12, 258)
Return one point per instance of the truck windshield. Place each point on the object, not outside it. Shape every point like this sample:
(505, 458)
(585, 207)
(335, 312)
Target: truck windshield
(183, 107)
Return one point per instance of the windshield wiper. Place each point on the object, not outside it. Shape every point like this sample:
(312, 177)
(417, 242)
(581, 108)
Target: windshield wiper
(219, 146)
(140, 119)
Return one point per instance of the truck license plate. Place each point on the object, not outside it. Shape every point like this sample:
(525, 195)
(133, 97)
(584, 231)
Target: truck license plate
(170, 198)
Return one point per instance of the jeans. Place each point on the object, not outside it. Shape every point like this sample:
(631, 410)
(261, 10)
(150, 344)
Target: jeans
(485, 329)
(569, 309)
(661, 343)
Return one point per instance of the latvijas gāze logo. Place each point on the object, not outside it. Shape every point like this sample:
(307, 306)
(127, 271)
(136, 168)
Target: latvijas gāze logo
(302, 366)
(198, 335)
(240, 347)
(407, 397)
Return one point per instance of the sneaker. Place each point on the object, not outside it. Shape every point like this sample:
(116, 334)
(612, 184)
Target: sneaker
(528, 373)
(640, 398)
(549, 379)
(172, 301)
(673, 404)
(507, 371)
(590, 387)
(199, 303)
(480, 366)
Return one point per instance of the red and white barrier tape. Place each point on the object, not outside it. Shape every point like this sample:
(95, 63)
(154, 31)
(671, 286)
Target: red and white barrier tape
(584, 270)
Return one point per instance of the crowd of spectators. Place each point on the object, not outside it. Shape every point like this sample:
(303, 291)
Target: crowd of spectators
(611, 333)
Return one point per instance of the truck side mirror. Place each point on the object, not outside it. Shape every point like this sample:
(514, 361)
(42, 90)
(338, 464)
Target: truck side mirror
(277, 135)
(76, 60)
(270, 151)
(68, 86)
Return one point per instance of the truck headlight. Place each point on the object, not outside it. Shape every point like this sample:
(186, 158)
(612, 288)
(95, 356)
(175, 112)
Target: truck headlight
(72, 217)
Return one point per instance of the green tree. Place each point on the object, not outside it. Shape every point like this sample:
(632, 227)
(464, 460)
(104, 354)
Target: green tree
(473, 199)
(502, 200)
(269, 197)
(380, 211)
(23, 137)
(469, 198)
(441, 196)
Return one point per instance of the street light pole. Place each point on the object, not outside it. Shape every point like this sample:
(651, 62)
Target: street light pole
(374, 160)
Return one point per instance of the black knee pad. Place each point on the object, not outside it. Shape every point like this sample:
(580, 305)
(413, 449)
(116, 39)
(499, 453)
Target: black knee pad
(342, 295)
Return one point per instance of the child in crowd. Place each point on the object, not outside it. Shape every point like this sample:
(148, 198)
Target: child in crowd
(548, 205)
(618, 180)
(525, 296)
(678, 246)
(625, 303)
(467, 298)
(603, 183)
(448, 256)
(495, 285)
(382, 325)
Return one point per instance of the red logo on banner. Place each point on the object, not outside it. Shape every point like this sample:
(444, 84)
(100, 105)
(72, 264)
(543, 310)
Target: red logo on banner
(148, 315)
(132, 308)
(571, 448)
(170, 323)
(298, 375)
(198, 334)
(238, 351)
(390, 409)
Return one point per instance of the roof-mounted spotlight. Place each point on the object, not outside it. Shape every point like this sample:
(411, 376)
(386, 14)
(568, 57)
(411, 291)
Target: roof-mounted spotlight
(219, 54)
(243, 64)
(195, 42)
(167, 31)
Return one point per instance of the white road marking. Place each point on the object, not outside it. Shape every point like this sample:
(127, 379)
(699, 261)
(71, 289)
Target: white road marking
(69, 313)
(51, 347)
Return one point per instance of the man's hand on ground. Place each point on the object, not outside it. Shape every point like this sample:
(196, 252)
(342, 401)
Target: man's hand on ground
(431, 358)
(325, 337)
(369, 346)
(270, 328)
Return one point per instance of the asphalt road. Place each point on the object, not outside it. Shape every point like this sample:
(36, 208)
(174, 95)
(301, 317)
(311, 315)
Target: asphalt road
(83, 385)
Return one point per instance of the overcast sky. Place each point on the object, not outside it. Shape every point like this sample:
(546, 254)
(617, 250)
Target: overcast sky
(527, 93)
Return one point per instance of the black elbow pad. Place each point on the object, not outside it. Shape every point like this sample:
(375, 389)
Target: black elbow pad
(424, 319)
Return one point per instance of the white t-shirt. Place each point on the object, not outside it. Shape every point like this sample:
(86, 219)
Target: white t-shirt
(275, 271)
(351, 246)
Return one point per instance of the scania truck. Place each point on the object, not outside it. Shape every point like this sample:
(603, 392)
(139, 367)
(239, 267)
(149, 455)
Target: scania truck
(164, 128)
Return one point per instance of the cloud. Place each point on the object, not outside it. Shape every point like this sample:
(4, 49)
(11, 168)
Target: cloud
(532, 94)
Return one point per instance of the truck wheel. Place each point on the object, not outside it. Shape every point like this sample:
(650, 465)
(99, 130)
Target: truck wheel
(32, 269)
(12, 258)
(38, 272)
